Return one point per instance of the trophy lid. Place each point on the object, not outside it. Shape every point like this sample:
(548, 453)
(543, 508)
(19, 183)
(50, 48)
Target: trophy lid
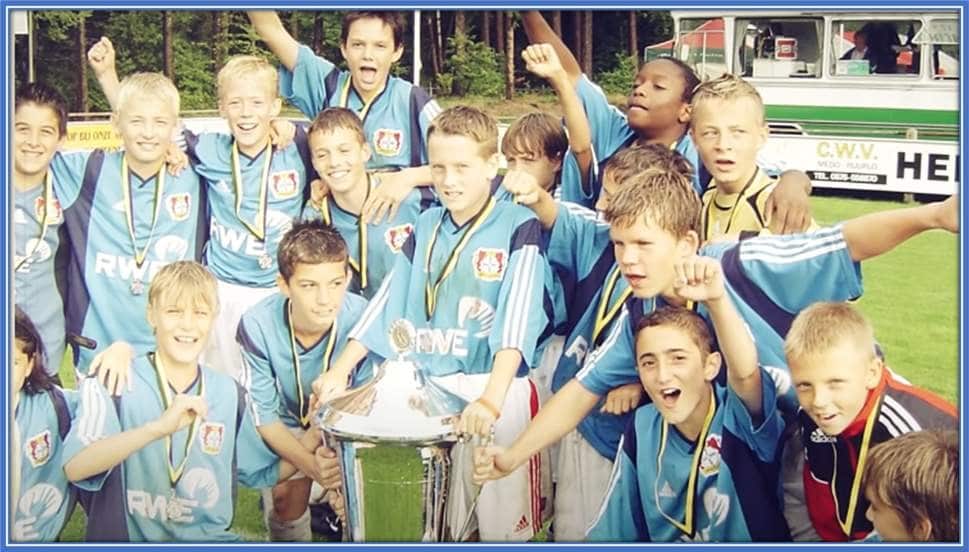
(398, 405)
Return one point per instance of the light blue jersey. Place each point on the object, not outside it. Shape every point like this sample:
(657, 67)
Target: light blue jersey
(133, 501)
(383, 241)
(395, 122)
(470, 291)
(243, 244)
(269, 372)
(571, 187)
(732, 466)
(46, 496)
(770, 279)
(36, 238)
(108, 286)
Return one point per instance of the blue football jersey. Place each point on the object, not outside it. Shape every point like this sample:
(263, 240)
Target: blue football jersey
(269, 372)
(244, 235)
(570, 186)
(108, 286)
(733, 471)
(395, 122)
(469, 291)
(222, 449)
(46, 496)
(37, 226)
(383, 241)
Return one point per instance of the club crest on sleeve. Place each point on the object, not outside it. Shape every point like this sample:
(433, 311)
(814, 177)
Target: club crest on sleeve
(285, 184)
(179, 205)
(397, 236)
(38, 448)
(57, 215)
(710, 458)
(212, 434)
(489, 264)
(388, 142)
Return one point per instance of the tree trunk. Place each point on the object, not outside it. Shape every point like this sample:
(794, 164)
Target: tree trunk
(500, 32)
(509, 56)
(587, 43)
(82, 101)
(318, 33)
(557, 22)
(633, 37)
(486, 28)
(439, 39)
(432, 40)
(577, 36)
(460, 29)
(294, 25)
(168, 45)
(220, 37)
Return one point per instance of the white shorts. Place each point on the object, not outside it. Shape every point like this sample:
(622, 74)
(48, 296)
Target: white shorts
(542, 376)
(509, 509)
(792, 480)
(223, 352)
(583, 478)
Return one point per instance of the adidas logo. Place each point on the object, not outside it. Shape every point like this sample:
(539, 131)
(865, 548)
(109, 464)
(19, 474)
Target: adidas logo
(818, 436)
(522, 524)
(666, 491)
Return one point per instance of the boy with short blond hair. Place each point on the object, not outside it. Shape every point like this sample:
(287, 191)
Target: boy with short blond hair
(850, 401)
(912, 486)
(728, 127)
(180, 419)
(472, 280)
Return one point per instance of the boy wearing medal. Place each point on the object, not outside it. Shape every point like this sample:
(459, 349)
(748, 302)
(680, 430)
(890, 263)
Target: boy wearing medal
(340, 152)
(473, 281)
(125, 218)
(254, 191)
(699, 462)
(163, 460)
(850, 401)
(727, 126)
(288, 339)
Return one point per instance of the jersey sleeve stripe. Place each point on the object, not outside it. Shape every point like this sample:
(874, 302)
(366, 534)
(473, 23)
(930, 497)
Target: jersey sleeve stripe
(782, 246)
(91, 425)
(617, 328)
(613, 481)
(516, 321)
(896, 411)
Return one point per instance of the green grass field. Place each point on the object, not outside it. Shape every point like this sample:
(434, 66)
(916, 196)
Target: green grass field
(911, 297)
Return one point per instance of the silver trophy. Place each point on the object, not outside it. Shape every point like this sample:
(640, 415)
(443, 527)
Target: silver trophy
(393, 435)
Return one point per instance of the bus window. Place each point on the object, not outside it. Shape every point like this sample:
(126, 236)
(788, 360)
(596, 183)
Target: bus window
(945, 61)
(865, 47)
(941, 34)
(778, 47)
(700, 45)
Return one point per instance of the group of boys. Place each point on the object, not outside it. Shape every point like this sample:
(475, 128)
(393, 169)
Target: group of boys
(517, 289)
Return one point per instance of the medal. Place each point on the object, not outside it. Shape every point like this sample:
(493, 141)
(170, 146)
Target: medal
(173, 510)
(265, 261)
(137, 286)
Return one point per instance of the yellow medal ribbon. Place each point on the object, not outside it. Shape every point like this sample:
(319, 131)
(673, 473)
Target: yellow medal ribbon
(259, 231)
(604, 313)
(361, 266)
(430, 293)
(741, 199)
(175, 473)
(859, 472)
(686, 526)
(304, 416)
(45, 222)
(345, 98)
(129, 210)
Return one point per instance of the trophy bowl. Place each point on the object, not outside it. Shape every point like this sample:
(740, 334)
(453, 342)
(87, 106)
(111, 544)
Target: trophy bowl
(393, 436)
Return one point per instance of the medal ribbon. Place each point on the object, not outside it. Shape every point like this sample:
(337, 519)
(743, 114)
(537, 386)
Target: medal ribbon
(175, 472)
(687, 525)
(604, 313)
(859, 471)
(45, 223)
(430, 293)
(359, 267)
(129, 210)
(304, 417)
(345, 98)
(258, 228)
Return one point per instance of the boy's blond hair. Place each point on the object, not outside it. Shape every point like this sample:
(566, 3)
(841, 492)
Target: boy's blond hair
(153, 85)
(334, 118)
(638, 158)
(917, 475)
(471, 123)
(822, 326)
(684, 320)
(253, 67)
(180, 280)
(727, 87)
(536, 133)
(661, 196)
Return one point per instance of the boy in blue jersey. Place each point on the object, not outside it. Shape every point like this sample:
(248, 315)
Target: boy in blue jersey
(699, 462)
(39, 128)
(41, 498)
(180, 419)
(472, 280)
(340, 152)
(125, 218)
(659, 112)
(288, 340)
(253, 192)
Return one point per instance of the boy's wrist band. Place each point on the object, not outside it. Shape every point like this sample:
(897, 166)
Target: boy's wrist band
(487, 404)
